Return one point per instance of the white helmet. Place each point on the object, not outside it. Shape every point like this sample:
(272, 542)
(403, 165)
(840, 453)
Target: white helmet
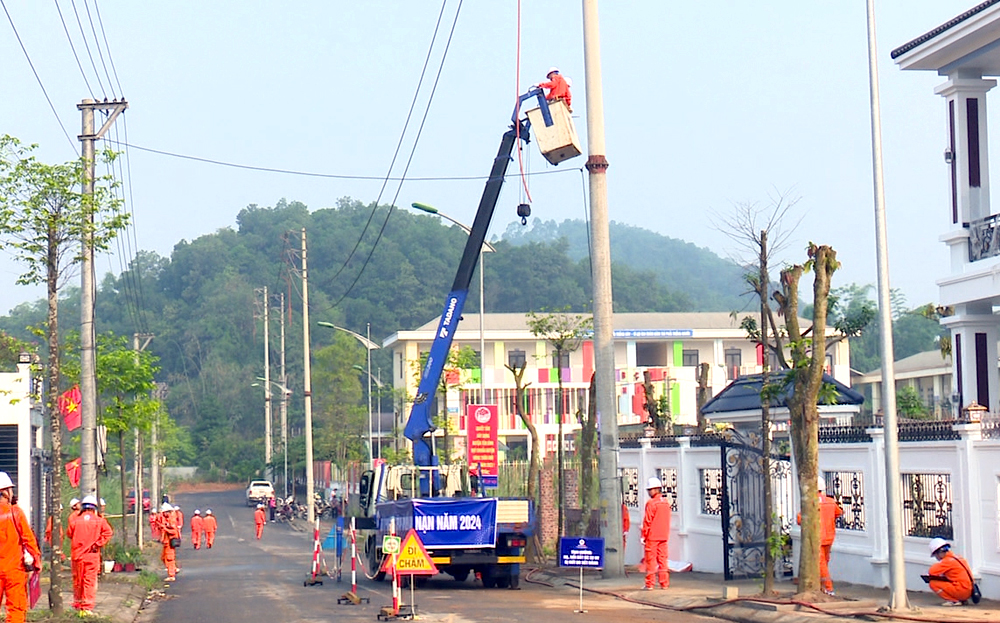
(208, 512)
(260, 506)
(103, 503)
(74, 502)
(821, 483)
(89, 500)
(936, 544)
(654, 483)
(552, 70)
(166, 507)
(197, 512)
(5, 481)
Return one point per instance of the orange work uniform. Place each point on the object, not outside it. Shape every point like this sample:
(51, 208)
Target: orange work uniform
(15, 531)
(154, 525)
(210, 526)
(259, 520)
(958, 585)
(197, 527)
(626, 525)
(169, 530)
(87, 535)
(829, 511)
(558, 90)
(656, 535)
(179, 519)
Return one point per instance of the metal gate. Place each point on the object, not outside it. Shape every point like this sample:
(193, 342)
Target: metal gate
(743, 509)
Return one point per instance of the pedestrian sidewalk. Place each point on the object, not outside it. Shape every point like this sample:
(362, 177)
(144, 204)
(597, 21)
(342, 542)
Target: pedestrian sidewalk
(703, 593)
(119, 596)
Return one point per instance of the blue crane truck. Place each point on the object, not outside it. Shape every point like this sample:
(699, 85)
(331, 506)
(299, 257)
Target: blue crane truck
(461, 532)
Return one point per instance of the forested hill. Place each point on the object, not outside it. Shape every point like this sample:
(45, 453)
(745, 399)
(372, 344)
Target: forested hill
(710, 282)
(201, 307)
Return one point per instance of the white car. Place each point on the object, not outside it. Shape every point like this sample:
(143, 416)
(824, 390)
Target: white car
(259, 491)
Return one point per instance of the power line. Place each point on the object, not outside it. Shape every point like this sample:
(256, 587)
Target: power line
(86, 45)
(73, 48)
(90, 18)
(37, 78)
(413, 151)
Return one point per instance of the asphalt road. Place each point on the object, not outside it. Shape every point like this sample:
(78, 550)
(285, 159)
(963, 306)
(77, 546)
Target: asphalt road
(243, 580)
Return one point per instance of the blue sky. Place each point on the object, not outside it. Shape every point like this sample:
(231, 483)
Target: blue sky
(707, 104)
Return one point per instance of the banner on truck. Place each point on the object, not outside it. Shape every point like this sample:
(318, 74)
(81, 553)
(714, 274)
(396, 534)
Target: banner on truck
(481, 424)
(444, 524)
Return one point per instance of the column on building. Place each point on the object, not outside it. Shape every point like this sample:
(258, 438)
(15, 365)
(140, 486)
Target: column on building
(974, 353)
(967, 155)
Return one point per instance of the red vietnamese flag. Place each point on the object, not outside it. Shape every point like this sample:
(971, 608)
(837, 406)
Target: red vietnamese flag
(73, 471)
(69, 407)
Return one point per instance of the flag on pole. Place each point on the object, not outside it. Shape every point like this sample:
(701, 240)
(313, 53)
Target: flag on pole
(69, 407)
(73, 471)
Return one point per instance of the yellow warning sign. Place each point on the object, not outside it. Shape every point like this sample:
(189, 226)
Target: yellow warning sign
(413, 558)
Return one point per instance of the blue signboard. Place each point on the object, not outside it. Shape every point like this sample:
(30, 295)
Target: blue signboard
(489, 481)
(452, 524)
(581, 551)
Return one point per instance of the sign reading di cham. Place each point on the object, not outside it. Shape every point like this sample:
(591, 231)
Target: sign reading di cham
(456, 523)
(481, 423)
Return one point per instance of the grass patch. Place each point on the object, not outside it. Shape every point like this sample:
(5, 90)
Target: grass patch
(148, 580)
(69, 616)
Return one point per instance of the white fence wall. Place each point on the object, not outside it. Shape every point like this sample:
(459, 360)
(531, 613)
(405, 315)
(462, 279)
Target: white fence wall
(859, 556)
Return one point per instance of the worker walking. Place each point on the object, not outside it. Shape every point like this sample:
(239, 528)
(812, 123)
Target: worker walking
(259, 519)
(210, 526)
(197, 526)
(170, 538)
(88, 534)
(18, 551)
(950, 577)
(558, 88)
(655, 535)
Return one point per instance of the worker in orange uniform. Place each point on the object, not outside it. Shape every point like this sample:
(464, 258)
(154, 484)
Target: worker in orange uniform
(950, 577)
(87, 535)
(626, 525)
(154, 524)
(178, 516)
(558, 88)
(197, 527)
(170, 537)
(655, 534)
(18, 551)
(259, 519)
(210, 527)
(829, 511)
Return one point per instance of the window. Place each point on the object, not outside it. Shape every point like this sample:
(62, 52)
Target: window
(734, 359)
(848, 488)
(564, 363)
(927, 505)
(711, 491)
(668, 476)
(689, 358)
(516, 359)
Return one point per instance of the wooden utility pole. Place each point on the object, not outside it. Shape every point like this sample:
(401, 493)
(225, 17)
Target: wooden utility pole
(88, 335)
(600, 254)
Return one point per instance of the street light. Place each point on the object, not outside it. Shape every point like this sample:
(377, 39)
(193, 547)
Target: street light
(285, 393)
(369, 345)
(487, 248)
(378, 382)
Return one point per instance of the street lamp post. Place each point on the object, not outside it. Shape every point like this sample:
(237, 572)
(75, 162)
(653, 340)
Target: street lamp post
(369, 345)
(486, 248)
(377, 379)
(285, 393)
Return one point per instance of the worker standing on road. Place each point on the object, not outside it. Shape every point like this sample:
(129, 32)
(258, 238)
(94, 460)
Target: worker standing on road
(272, 506)
(950, 577)
(259, 520)
(210, 526)
(170, 537)
(655, 534)
(197, 526)
(178, 516)
(87, 535)
(154, 524)
(829, 511)
(558, 88)
(18, 550)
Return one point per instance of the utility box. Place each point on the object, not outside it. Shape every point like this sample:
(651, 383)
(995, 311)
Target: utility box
(558, 141)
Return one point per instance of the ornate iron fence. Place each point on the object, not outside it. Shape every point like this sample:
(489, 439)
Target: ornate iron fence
(668, 476)
(630, 486)
(927, 505)
(848, 488)
(711, 490)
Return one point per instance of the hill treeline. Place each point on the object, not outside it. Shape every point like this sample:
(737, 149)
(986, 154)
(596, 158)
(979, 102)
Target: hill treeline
(204, 308)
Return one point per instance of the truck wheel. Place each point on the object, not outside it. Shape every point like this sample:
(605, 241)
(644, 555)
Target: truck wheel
(503, 581)
(460, 575)
(515, 581)
(489, 582)
(373, 559)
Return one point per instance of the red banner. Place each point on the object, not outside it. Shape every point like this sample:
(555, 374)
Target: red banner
(73, 471)
(481, 425)
(69, 407)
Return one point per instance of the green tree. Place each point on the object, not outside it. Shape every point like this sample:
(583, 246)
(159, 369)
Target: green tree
(565, 331)
(340, 420)
(43, 212)
(909, 404)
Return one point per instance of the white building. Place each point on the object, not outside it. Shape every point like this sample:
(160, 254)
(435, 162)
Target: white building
(965, 52)
(21, 438)
(668, 345)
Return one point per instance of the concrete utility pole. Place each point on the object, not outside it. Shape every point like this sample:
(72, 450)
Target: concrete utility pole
(307, 381)
(137, 457)
(160, 393)
(267, 389)
(600, 254)
(88, 335)
(284, 398)
(893, 498)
